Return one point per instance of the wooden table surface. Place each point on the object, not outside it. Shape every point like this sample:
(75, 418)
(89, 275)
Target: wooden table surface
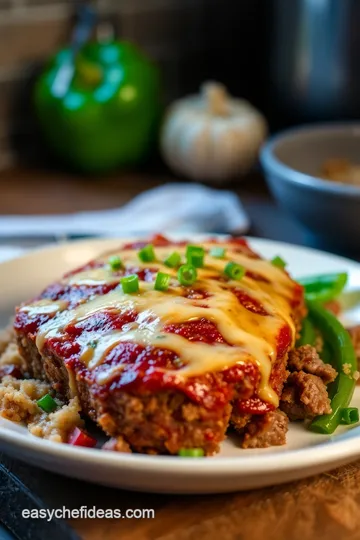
(322, 507)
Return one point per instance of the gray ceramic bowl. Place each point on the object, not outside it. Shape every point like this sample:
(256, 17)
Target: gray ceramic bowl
(292, 161)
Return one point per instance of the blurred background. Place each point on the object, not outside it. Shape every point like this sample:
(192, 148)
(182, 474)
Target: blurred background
(88, 121)
(190, 40)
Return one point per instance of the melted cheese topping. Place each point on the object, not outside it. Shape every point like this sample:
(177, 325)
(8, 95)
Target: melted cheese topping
(251, 337)
(44, 306)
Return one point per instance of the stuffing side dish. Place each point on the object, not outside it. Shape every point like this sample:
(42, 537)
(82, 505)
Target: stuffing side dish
(167, 346)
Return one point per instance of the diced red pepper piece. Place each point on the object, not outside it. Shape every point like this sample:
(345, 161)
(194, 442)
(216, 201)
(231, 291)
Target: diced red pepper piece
(78, 437)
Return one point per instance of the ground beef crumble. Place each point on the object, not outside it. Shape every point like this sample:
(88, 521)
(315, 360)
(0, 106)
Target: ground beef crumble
(266, 430)
(304, 396)
(307, 359)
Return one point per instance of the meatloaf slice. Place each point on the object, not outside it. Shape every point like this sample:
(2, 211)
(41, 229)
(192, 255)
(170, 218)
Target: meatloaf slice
(164, 370)
(161, 422)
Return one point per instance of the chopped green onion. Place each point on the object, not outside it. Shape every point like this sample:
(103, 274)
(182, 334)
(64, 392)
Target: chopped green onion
(92, 344)
(47, 403)
(115, 263)
(173, 260)
(278, 261)
(187, 274)
(147, 253)
(234, 270)
(217, 252)
(162, 281)
(130, 284)
(350, 415)
(191, 452)
(195, 256)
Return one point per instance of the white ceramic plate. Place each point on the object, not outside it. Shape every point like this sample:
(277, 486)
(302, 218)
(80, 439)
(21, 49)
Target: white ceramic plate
(233, 469)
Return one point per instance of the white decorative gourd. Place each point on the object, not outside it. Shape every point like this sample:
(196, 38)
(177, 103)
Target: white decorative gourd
(212, 136)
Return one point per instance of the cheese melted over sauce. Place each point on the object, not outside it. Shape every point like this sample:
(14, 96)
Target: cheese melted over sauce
(250, 337)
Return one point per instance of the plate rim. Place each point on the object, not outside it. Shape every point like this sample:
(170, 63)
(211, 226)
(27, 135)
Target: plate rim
(254, 464)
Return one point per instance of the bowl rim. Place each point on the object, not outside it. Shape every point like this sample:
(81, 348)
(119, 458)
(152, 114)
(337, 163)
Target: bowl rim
(271, 163)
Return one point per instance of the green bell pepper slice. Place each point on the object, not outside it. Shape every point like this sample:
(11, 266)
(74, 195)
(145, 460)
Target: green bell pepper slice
(325, 287)
(343, 359)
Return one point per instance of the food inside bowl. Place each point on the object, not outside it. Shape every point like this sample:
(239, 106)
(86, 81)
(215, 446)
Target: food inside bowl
(341, 170)
(167, 346)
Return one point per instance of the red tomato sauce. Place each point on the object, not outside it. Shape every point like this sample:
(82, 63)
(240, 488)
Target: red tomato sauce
(75, 294)
(253, 405)
(283, 340)
(200, 330)
(157, 240)
(250, 303)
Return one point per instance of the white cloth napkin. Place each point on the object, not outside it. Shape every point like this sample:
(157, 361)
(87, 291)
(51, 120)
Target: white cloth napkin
(170, 208)
(182, 208)
(9, 252)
